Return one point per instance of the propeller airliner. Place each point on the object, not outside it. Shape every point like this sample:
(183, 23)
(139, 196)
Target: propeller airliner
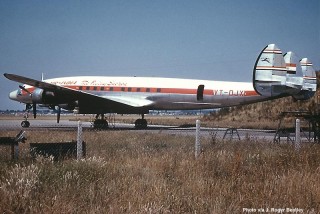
(274, 75)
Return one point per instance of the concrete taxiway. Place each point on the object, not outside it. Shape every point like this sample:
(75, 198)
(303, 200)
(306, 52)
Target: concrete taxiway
(218, 133)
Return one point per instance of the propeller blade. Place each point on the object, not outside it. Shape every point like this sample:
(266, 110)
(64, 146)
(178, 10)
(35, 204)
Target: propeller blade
(34, 107)
(58, 114)
(28, 106)
(24, 89)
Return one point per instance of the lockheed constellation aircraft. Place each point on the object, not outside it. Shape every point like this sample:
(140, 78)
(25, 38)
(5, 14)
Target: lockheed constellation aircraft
(274, 75)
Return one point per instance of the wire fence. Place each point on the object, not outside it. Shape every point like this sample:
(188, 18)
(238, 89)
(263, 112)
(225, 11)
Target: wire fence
(73, 139)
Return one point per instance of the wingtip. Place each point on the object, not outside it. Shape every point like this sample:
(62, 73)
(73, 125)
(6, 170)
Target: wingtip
(7, 75)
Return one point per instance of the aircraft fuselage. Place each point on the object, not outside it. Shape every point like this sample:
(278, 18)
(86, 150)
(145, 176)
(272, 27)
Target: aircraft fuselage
(164, 93)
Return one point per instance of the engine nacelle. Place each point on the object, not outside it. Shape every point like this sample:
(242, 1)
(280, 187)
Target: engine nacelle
(69, 106)
(43, 97)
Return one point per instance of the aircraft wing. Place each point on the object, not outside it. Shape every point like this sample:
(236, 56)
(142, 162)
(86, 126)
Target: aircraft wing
(130, 101)
(85, 98)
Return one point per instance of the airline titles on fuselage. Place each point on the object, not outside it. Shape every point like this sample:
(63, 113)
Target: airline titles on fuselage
(88, 83)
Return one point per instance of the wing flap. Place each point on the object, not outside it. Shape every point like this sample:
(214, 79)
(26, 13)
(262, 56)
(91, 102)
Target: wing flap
(130, 101)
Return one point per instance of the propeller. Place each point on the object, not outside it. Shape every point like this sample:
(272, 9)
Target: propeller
(58, 114)
(34, 108)
(53, 107)
(28, 106)
(24, 89)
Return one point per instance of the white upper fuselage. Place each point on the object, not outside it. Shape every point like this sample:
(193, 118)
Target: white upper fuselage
(163, 93)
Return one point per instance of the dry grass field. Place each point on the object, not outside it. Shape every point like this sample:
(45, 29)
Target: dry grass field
(143, 172)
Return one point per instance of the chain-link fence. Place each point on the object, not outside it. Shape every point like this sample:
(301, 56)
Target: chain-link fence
(46, 137)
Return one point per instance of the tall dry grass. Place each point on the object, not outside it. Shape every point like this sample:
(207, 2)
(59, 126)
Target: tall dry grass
(143, 172)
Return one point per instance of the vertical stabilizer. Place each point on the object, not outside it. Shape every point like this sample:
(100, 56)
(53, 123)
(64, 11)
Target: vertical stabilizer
(294, 73)
(270, 72)
(309, 78)
(309, 75)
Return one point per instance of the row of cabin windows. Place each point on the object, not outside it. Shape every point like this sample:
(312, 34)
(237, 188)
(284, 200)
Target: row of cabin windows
(111, 89)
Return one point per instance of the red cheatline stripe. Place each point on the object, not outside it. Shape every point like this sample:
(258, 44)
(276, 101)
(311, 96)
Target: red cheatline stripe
(271, 68)
(268, 67)
(291, 65)
(306, 64)
(277, 51)
(141, 89)
(250, 93)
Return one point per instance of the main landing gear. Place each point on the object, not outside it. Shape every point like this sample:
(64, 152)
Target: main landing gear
(100, 122)
(141, 123)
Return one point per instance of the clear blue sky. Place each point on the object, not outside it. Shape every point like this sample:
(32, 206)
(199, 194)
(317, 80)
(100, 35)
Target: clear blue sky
(215, 40)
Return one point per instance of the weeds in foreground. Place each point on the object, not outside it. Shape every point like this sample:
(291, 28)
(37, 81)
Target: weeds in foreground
(130, 172)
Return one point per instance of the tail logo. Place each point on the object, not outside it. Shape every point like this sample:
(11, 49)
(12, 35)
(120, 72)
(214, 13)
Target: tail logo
(266, 60)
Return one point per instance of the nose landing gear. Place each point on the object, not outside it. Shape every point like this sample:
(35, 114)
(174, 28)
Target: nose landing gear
(25, 123)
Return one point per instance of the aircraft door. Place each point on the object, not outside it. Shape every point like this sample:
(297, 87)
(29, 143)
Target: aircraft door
(200, 92)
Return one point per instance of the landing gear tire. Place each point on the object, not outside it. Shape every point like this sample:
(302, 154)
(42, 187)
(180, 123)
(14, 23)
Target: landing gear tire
(100, 124)
(25, 124)
(141, 124)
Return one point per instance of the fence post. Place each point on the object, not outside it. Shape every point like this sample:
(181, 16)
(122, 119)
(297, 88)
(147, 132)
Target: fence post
(298, 137)
(197, 143)
(14, 151)
(79, 141)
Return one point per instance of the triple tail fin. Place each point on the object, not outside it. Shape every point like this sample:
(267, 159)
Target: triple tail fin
(269, 73)
(309, 86)
(294, 72)
(277, 75)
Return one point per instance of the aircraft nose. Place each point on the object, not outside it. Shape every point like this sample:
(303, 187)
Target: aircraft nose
(13, 95)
